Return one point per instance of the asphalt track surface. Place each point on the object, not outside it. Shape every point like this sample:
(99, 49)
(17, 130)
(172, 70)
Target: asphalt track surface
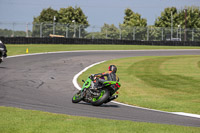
(44, 82)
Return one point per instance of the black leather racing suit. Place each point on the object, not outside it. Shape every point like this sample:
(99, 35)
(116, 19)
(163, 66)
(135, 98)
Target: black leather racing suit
(106, 76)
(109, 75)
(4, 51)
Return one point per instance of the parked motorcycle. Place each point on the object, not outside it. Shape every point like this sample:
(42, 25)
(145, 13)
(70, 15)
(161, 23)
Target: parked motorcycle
(104, 93)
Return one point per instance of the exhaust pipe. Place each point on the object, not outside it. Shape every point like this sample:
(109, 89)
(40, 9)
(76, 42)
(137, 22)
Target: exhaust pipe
(113, 97)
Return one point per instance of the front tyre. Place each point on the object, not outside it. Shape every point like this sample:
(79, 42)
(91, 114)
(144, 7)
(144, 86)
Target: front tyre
(101, 99)
(77, 97)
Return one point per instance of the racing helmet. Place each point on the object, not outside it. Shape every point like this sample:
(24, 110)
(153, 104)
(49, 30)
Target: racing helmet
(112, 68)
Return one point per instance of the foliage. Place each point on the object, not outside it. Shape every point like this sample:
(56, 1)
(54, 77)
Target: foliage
(131, 22)
(72, 22)
(181, 20)
(110, 31)
(107, 32)
(191, 15)
(70, 14)
(43, 20)
(190, 18)
(155, 33)
(133, 19)
(11, 33)
(165, 19)
(47, 15)
(75, 19)
(65, 20)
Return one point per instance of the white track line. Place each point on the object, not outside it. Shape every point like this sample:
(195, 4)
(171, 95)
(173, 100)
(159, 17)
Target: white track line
(85, 69)
(77, 75)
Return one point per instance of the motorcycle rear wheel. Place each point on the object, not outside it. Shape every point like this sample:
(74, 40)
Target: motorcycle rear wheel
(101, 99)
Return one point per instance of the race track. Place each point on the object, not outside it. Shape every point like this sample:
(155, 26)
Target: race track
(44, 82)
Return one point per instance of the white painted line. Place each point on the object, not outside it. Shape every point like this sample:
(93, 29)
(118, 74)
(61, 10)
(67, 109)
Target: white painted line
(186, 114)
(176, 113)
(77, 75)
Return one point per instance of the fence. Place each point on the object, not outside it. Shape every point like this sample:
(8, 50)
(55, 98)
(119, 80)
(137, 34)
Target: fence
(96, 32)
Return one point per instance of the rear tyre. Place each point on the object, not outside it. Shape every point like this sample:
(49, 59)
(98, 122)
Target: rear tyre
(1, 56)
(101, 99)
(77, 97)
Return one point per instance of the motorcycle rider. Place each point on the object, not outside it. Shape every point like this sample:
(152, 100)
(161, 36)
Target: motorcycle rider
(3, 51)
(109, 75)
(100, 78)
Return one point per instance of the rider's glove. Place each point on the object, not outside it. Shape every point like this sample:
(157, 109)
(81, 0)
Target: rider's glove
(93, 77)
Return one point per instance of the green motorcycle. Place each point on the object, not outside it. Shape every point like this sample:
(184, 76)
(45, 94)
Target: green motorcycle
(104, 93)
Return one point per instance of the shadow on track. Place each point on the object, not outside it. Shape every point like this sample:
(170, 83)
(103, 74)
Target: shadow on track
(3, 68)
(104, 105)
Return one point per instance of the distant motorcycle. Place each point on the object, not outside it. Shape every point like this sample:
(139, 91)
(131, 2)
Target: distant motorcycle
(103, 94)
(3, 51)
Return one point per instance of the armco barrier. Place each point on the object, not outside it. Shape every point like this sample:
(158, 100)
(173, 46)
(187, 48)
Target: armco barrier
(56, 40)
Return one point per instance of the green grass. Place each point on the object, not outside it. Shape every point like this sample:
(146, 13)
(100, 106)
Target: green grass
(168, 83)
(39, 48)
(14, 120)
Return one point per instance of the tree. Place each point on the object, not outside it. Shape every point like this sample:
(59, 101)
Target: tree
(47, 15)
(45, 21)
(168, 16)
(106, 32)
(133, 19)
(70, 22)
(129, 28)
(70, 15)
(155, 33)
(11, 33)
(189, 14)
(110, 31)
(75, 19)
(187, 18)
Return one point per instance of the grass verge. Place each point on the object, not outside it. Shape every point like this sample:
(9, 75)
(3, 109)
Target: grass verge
(39, 48)
(14, 120)
(168, 83)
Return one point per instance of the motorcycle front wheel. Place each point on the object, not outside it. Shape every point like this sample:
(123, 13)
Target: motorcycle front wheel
(77, 97)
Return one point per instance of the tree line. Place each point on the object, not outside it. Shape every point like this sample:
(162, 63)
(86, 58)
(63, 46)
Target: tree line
(171, 17)
(72, 22)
